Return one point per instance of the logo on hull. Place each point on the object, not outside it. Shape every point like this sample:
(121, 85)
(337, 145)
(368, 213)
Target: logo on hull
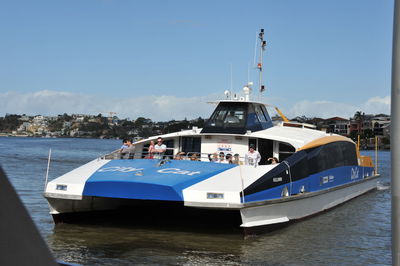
(354, 173)
(120, 169)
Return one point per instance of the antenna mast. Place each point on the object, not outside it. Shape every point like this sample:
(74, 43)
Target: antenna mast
(263, 44)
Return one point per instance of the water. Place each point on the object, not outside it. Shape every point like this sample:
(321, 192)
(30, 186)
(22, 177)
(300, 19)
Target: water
(356, 233)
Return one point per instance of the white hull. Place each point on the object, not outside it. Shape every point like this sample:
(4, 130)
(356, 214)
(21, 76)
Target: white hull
(300, 206)
(85, 204)
(253, 215)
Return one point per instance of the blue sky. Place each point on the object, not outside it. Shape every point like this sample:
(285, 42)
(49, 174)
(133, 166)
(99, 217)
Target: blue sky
(164, 59)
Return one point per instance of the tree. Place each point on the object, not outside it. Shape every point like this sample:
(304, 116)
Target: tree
(140, 121)
(10, 122)
(66, 117)
(359, 117)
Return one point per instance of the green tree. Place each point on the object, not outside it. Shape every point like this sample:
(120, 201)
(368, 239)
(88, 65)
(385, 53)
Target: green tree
(359, 117)
(10, 122)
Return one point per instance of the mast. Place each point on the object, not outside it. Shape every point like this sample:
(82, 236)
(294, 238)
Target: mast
(263, 44)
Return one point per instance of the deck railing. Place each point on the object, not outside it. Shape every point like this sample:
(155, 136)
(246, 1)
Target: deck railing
(189, 156)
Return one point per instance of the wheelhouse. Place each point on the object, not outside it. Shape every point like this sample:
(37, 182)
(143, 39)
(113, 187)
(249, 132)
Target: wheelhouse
(232, 117)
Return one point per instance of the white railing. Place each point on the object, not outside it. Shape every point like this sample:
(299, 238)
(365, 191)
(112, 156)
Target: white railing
(190, 156)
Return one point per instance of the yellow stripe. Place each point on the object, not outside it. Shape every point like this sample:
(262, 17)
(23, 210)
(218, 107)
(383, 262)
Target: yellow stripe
(323, 141)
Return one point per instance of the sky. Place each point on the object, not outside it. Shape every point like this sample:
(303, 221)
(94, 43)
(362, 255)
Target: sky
(165, 60)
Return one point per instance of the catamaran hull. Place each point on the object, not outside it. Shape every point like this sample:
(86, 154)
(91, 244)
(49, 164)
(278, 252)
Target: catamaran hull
(250, 216)
(142, 212)
(303, 205)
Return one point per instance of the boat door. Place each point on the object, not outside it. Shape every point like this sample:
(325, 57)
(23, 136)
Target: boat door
(265, 148)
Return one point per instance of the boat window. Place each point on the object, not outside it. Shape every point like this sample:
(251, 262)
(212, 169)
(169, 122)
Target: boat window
(285, 150)
(265, 113)
(237, 118)
(332, 155)
(260, 114)
(307, 162)
(228, 117)
(256, 119)
(191, 145)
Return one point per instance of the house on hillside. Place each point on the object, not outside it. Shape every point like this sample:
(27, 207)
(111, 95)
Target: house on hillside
(338, 125)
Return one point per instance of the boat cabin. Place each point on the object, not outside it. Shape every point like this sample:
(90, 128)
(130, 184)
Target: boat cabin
(232, 117)
(231, 129)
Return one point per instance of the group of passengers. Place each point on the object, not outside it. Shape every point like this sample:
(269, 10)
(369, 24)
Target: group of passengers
(252, 157)
(156, 151)
(222, 158)
(183, 156)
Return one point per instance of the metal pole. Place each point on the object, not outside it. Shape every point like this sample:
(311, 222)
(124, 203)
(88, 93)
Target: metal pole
(376, 155)
(395, 136)
(47, 171)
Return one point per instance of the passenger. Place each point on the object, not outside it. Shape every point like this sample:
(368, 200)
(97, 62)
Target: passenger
(229, 158)
(179, 155)
(273, 160)
(252, 157)
(221, 157)
(159, 149)
(127, 150)
(194, 157)
(150, 153)
(124, 145)
(215, 157)
(236, 159)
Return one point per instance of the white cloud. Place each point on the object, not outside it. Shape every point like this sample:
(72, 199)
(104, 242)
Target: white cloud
(162, 108)
(326, 109)
(377, 105)
(158, 108)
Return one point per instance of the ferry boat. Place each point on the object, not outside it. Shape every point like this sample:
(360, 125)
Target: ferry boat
(315, 171)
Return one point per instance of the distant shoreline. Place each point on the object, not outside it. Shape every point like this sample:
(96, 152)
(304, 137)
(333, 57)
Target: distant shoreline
(89, 137)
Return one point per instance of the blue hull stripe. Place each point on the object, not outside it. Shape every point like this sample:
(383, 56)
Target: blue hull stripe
(143, 179)
(316, 182)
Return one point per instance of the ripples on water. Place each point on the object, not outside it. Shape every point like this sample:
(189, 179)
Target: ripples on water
(356, 233)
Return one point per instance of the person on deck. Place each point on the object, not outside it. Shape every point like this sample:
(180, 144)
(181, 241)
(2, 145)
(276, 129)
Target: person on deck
(252, 157)
(236, 159)
(150, 152)
(273, 160)
(221, 157)
(159, 149)
(124, 145)
(127, 150)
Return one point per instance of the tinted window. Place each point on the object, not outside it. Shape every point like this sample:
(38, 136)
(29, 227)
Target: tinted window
(237, 118)
(228, 116)
(190, 144)
(331, 155)
(285, 150)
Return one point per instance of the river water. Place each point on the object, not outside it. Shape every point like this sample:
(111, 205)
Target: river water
(355, 233)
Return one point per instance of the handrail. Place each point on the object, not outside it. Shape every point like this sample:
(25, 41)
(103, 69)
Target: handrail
(117, 155)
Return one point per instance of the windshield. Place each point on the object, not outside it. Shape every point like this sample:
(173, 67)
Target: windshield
(228, 116)
(237, 118)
